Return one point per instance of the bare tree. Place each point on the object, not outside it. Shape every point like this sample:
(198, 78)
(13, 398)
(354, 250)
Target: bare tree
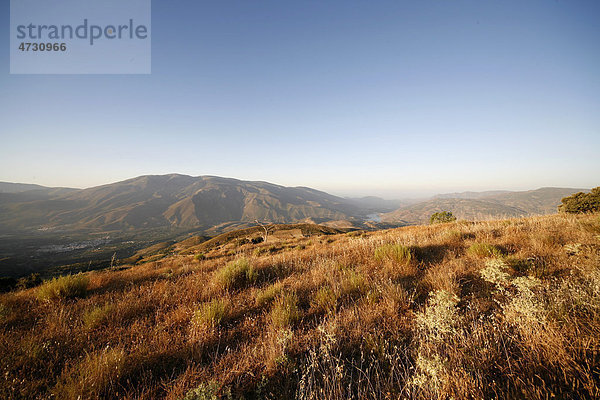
(266, 228)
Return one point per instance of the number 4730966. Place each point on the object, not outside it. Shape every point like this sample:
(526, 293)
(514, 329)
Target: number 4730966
(43, 46)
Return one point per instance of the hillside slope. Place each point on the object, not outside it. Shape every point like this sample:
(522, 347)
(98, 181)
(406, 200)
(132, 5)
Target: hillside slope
(535, 202)
(497, 309)
(468, 209)
(483, 205)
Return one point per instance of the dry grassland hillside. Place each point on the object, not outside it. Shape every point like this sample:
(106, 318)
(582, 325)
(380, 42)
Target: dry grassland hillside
(495, 309)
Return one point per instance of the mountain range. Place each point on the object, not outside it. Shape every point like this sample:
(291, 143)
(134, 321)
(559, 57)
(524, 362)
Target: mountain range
(206, 202)
(167, 201)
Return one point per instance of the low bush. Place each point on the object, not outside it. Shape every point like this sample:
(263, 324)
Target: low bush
(581, 202)
(206, 391)
(29, 281)
(442, 217)
(242, 241)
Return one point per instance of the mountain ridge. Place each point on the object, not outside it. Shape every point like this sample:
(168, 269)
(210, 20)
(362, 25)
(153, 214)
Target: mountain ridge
(207, 201)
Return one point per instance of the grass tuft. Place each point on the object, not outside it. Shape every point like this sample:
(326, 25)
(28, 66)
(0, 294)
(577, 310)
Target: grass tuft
(97, 316)
(353, 284)
(211, 314)
(325, 300)
(236, 274)
(484, 250)
(285, 311)
(96, 376)
(64, 287)
(393, 252)
(267, 295)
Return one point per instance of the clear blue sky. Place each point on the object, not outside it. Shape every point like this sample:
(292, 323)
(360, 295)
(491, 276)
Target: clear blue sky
(389, 98)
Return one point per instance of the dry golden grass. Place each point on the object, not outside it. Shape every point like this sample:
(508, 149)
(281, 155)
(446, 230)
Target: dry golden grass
(495, 309)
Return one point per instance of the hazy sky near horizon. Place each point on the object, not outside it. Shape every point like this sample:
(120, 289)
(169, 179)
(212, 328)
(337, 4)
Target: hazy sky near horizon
(390, 98)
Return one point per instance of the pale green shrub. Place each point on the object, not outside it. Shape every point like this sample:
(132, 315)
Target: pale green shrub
(440, 315)
(206, 391)
(495, 272)
(526, 308)
(431, 374)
